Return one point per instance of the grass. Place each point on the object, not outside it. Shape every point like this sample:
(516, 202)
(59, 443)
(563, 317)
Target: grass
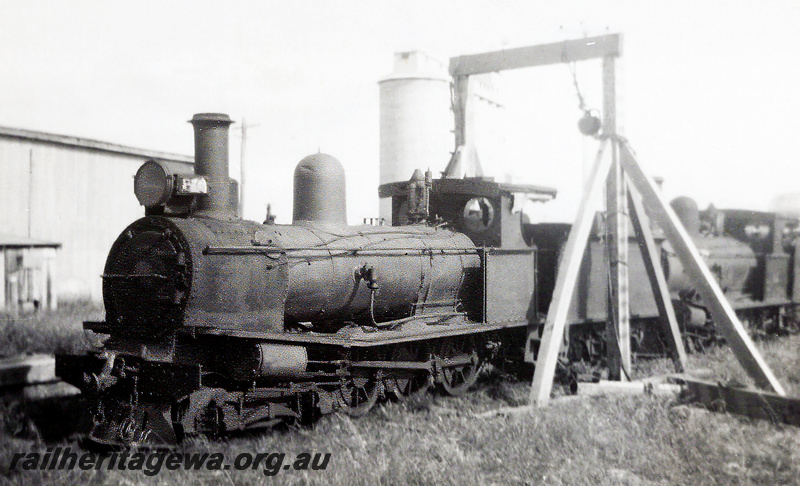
(49, 332)
(634, 440)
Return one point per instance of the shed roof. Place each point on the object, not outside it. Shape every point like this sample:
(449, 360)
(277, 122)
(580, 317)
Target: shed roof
(89, 144)
(10, 241)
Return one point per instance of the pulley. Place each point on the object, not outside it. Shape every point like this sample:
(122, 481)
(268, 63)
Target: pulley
(589, 124)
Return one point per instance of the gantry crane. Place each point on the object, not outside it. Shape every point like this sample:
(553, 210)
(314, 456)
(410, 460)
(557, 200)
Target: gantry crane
(629, 193)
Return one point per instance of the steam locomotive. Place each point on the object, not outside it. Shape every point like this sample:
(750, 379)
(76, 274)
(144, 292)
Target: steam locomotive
(218, 324)
(752, 254)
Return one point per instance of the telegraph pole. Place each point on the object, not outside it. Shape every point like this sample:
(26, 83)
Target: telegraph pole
(242, 169)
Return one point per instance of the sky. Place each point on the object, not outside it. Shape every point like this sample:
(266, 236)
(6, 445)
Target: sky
(709, 92)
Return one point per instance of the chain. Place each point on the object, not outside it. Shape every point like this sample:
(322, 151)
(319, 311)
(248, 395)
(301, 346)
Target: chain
(581, 103)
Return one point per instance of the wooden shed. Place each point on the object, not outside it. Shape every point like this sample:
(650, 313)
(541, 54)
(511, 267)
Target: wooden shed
(27, 273)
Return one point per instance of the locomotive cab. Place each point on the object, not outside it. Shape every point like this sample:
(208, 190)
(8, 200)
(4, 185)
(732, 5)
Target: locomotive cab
(479, 207)
(482, 209)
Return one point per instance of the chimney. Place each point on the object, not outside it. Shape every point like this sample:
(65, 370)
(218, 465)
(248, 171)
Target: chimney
(211, 160)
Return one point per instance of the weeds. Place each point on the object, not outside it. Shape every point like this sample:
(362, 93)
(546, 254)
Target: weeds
(49, 332)
(438, 440)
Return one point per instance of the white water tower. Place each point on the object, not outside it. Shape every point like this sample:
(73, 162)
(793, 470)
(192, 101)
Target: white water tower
(416, 121)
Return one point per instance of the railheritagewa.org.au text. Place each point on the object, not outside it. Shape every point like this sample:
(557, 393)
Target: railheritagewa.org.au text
(153, 462)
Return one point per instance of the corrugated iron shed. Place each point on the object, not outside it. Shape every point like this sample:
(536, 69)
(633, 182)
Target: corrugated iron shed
(10, 241)
(72, 190)
(89, 144)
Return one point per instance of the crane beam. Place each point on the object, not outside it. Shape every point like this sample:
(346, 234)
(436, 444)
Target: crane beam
(521, 57)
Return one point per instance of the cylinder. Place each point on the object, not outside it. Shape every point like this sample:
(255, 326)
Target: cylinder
(693, 317)
(211, 160)
(319, 190)
(281, 360)
(265, 360)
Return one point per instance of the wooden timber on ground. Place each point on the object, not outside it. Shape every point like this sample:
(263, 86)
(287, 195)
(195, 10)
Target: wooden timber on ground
(32, 377)
(627, 387)
(39, 391)
(27, 369)
(741, 401)
(713, 396)
(649, 386)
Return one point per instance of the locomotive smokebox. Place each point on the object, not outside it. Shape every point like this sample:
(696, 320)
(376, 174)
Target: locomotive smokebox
(319, 191)
(211, 160)
(686, 210)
